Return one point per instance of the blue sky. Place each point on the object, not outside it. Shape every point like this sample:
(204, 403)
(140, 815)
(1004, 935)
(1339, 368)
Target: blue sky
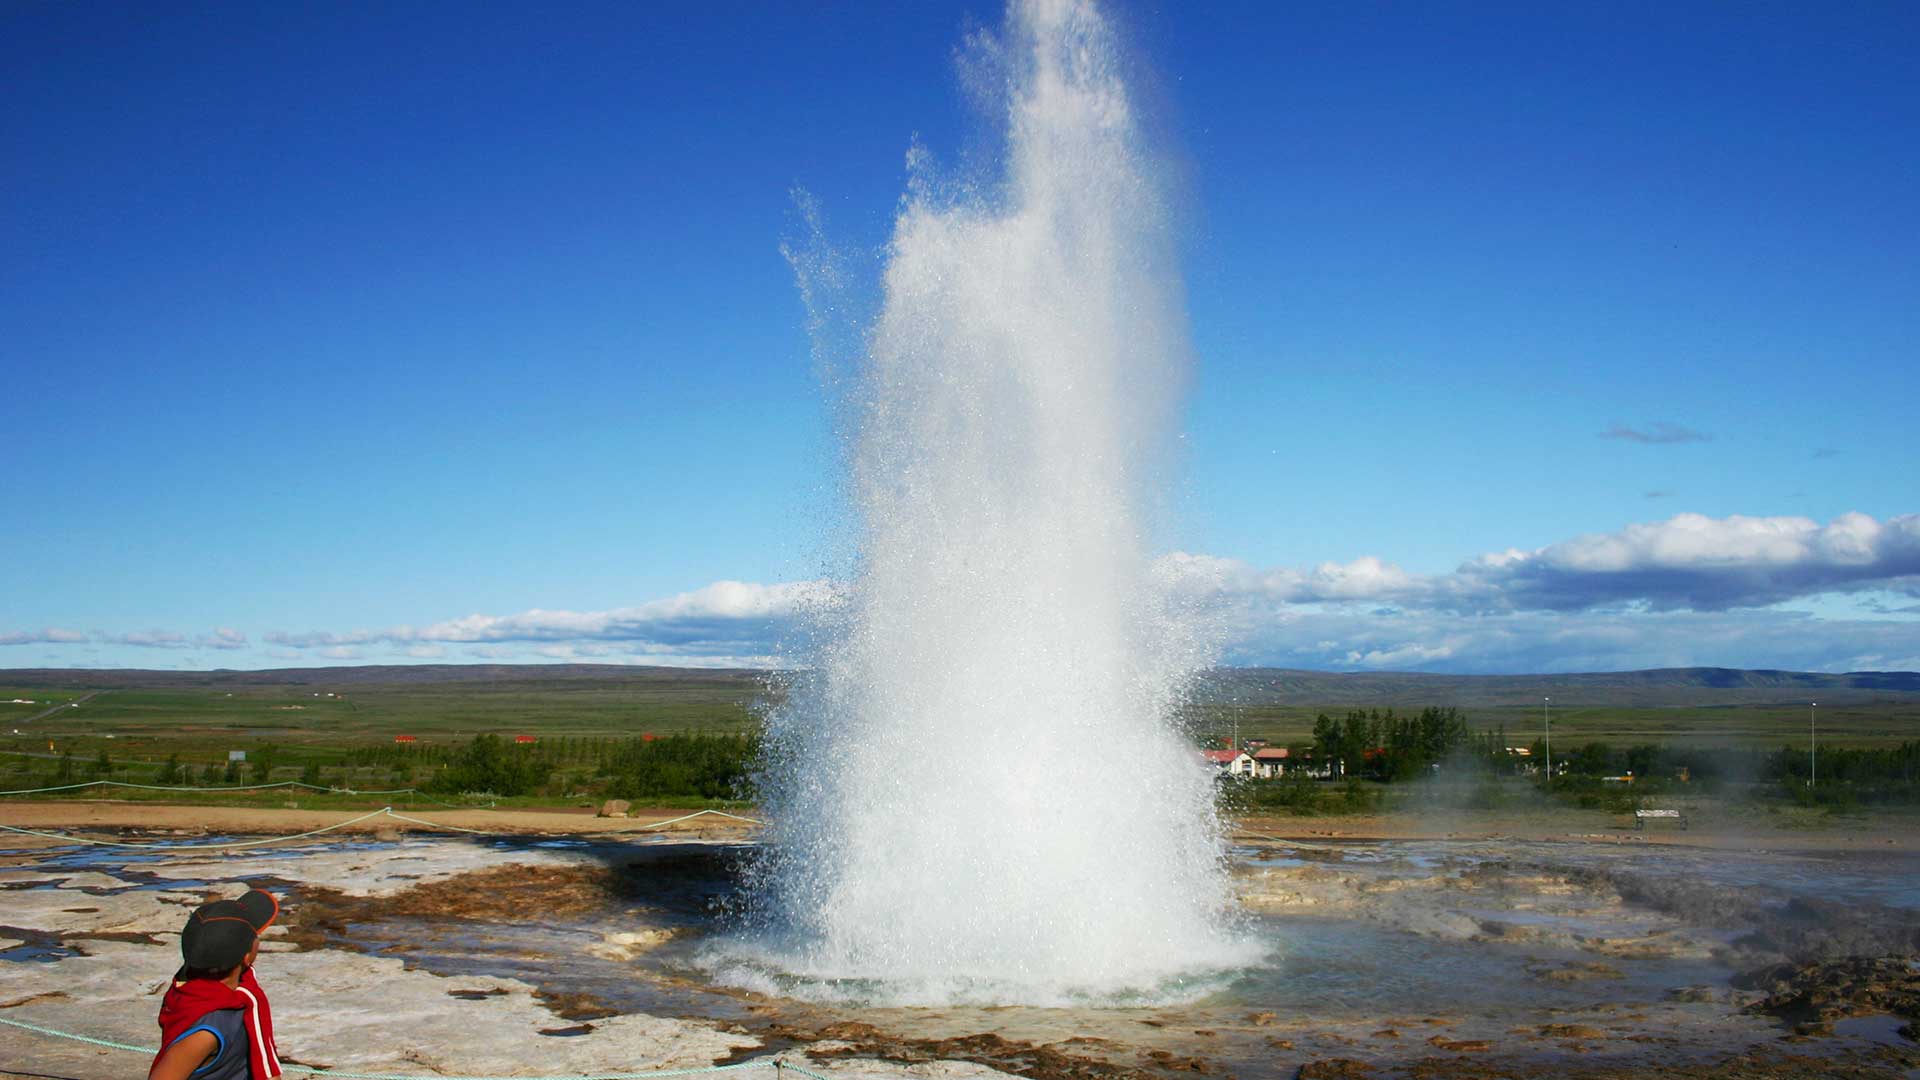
(324, 327)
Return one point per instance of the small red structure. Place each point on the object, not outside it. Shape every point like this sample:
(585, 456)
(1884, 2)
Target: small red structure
(647, 738)
(403, 738)
(525, 740)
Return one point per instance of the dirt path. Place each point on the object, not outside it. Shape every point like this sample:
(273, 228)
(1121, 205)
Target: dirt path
(1895, 835)
(110, 816)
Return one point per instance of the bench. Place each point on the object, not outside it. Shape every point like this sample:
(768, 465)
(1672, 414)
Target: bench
(1640, 817)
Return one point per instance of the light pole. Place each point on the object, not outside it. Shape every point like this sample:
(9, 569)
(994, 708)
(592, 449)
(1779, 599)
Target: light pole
(1813, 757)
(1546, 717)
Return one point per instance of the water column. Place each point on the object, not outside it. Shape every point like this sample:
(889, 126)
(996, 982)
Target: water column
(978, 792)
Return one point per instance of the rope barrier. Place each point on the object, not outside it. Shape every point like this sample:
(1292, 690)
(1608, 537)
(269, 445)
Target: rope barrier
(198, 847)
(330, 790)
(386, 811)
(776, 1064)
(434, 824)
(236, 787)
(697, 813)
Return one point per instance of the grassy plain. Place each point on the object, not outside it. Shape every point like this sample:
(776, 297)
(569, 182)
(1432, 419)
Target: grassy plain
(321, 720)
(319, 716)
(1764, 726)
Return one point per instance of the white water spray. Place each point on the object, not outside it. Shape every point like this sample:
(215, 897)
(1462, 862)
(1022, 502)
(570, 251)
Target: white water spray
(978, 792)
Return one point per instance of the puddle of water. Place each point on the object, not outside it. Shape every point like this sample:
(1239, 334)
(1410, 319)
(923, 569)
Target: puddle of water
(35, 953)
(1884, 1030)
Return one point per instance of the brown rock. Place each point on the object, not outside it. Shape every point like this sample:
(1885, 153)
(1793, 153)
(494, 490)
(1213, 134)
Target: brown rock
(614, 808)
(1813, 996)
(1334, 1069)
(1576, 972)
(1462, 1046)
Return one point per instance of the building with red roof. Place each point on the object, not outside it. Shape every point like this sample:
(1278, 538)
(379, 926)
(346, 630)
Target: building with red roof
(1229, 762)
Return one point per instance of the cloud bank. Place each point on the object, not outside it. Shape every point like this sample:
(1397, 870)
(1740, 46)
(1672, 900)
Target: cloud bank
(1689, 590)
(52, 635)
(726, 622)
(220, 638)
(1688, 562)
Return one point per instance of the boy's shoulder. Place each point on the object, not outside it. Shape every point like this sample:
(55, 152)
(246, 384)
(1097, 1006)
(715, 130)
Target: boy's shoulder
(229, 1060)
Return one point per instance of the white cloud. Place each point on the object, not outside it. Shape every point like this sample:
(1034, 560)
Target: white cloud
(1691, 561)
(224, 637)
(1593, 641)
(1687, 590)
(52, 635)
(494, 652)
(149, 639)
(1687, 562)
(727, 618)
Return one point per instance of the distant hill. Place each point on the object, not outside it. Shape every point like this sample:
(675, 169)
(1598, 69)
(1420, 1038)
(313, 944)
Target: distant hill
(1240, 686)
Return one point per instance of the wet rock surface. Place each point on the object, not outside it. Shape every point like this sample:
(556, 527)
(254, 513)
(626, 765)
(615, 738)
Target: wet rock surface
(583, 954)
(1814, 996)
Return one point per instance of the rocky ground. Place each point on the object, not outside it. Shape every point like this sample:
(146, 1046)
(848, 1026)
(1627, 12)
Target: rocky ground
(359, 973)
(91, 952)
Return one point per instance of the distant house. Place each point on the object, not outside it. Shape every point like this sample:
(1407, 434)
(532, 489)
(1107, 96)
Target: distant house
(1229, 762)
(1305, 764)
(1269, 762)
(524, 740)
(404, 739)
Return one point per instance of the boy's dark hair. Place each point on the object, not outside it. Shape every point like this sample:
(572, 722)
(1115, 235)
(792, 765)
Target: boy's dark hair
(202, 973)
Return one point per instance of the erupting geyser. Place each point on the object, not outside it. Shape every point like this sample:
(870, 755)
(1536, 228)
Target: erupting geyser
(978, 793)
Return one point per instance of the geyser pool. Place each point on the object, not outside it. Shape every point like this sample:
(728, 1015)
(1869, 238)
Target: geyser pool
(977, 793)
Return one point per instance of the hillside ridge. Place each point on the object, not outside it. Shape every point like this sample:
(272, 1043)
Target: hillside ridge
(1248, 686)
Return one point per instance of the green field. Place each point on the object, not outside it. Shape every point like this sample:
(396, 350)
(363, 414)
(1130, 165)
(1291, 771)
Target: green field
(319, 722)
(1681, 707)
(1767, 726)
(320, 716)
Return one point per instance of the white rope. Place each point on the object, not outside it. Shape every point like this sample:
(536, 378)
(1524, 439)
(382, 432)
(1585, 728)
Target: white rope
(157, 787)
(779, 1065)
(435, 824)
(386, 811)
(415, 792)
(697, 813)
(216, 787)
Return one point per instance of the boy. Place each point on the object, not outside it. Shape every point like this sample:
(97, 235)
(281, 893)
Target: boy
(214, 1021)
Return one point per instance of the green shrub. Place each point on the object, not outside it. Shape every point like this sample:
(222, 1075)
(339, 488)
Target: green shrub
(492, 765)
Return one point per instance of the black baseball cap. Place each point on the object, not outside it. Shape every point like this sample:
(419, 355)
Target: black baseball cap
(219, 935)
